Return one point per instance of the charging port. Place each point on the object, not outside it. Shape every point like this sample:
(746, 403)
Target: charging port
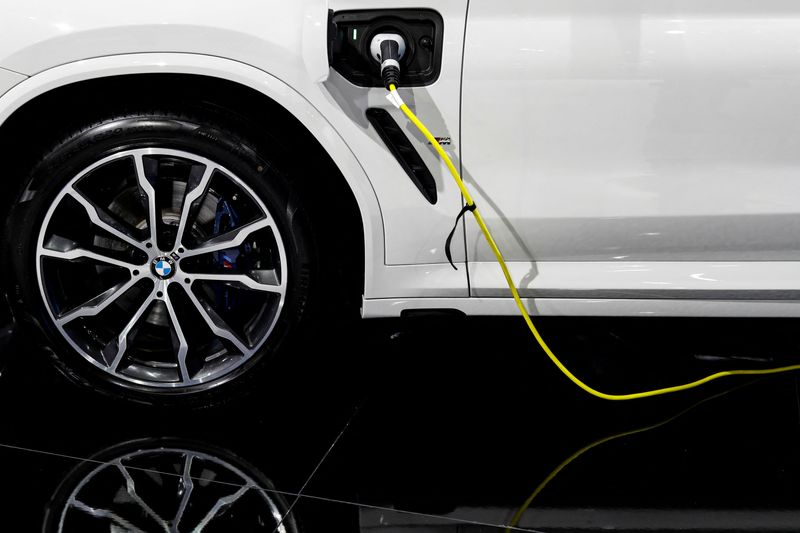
(352, 33)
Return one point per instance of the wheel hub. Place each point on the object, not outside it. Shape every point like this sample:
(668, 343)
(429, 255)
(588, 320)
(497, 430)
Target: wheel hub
(163, 267)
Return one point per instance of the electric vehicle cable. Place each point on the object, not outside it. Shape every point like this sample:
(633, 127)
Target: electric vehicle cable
(395, 98)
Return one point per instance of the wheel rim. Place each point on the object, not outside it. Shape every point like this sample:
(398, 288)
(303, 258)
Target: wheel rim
(162, 268)
(171, 489)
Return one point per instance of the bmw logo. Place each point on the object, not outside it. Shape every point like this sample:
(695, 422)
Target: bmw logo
(163, 267)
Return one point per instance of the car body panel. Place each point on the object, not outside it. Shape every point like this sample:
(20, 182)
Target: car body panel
(59, 44)
(632, 158)
(595, 307)
(380, 279)
(646, 288)
(415, 230)
(265, 34)
(40, 35)
(612, 136)
(8, 79)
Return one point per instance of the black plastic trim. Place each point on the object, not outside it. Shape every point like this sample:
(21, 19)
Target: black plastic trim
(397, 142)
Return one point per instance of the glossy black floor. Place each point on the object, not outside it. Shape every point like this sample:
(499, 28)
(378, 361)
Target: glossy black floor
(425, 425)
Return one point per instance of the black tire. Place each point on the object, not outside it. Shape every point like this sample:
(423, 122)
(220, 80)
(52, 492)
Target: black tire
(211, 137)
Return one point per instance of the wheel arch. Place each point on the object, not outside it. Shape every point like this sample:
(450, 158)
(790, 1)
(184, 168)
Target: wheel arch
(33, 115)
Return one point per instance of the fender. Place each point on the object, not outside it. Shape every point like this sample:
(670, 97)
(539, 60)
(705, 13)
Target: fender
(267, 34)
(280, 49)
(236, 72)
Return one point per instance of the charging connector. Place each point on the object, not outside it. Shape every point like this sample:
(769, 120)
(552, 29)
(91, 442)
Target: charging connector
(388, 49)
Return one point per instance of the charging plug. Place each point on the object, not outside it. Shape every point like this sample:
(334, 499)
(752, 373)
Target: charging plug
(388, 49)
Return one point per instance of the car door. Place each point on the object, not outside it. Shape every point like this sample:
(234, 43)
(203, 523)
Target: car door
(634, 148)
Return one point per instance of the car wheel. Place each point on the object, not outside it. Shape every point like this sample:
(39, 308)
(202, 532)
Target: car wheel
(163, 255)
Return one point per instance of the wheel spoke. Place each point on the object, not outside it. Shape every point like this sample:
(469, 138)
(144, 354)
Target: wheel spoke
(122, 339)
(104, 513)
(188, 487)
(225, 241)
(188, 200)
(147, 188)
(97, 220)
(222, 502)
(130, 487)
(82, 253)
(244, 279)
(183, 346)
(95, 305)
(217, 325)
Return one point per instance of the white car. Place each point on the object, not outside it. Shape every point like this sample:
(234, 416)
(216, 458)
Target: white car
(184, 180)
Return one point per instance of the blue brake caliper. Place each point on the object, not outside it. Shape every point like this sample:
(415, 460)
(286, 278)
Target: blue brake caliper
(225, 219)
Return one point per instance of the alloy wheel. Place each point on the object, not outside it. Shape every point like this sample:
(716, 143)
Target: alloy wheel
(162, 268)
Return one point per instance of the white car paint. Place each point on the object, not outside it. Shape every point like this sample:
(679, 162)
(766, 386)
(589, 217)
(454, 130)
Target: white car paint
(58, 44)
(597, 135)
(8, 79)
(639, 149)
(413, 280)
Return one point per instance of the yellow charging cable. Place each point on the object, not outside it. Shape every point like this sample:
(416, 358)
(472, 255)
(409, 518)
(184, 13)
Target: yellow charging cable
(395, 98)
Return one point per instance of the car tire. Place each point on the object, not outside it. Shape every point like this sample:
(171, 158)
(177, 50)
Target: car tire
(131, 307)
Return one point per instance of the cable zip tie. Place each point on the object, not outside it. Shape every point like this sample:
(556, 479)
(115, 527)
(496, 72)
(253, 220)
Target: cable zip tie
(395, 99)
(468, 207)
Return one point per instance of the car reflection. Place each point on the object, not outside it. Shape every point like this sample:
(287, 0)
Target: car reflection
(609, 504)
(166, 485)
